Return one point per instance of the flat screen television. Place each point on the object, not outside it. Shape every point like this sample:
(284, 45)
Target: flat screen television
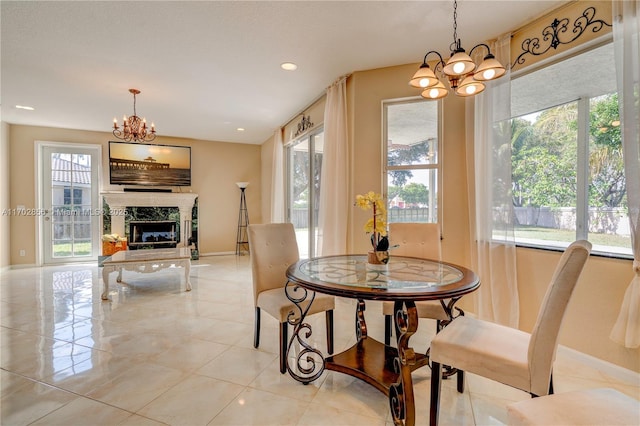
(150, 165)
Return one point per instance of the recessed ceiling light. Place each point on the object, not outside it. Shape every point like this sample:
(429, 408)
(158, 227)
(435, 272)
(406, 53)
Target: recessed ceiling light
(288, 66)
(28, 108)
(240, 129)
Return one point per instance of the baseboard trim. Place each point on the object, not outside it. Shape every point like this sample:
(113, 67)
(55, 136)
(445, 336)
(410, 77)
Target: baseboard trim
(219, 253)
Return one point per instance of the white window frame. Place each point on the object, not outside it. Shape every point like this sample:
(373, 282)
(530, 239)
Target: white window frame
(432, 166)
(582, 159)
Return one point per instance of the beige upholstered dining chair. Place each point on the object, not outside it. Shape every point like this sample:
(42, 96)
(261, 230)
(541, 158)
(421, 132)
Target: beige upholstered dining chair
(507, 355)
(415, 240)
(273, 248)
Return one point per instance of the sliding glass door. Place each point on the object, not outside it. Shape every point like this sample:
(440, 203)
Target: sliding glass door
(304, 166)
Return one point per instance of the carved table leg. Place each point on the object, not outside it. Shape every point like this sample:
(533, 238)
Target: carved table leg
(361, 324)
(309, 363)
(401, 398)
(106, 270)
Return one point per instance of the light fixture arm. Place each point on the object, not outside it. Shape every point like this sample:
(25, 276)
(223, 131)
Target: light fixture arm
(439, 64)
(424, 61)
(489, 54)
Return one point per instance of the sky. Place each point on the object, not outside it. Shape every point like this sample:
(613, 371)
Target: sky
(178, 157)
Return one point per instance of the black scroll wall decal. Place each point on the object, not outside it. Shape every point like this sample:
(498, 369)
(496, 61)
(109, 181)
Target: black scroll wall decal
(559, 33)
(304, 125)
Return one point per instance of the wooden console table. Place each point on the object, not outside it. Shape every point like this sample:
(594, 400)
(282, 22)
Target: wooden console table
(403, 280)
(146, 261)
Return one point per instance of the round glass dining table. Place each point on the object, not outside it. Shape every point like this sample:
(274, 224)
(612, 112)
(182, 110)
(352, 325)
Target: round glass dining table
(403, 280)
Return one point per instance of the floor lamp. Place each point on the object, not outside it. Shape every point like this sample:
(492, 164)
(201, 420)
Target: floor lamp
(242, 240)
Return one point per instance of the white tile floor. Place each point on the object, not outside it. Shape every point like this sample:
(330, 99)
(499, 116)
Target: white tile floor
(155, 354)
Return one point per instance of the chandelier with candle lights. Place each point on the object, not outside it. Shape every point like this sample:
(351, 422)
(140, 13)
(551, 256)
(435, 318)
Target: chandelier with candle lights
(464, 77)
(134, 128)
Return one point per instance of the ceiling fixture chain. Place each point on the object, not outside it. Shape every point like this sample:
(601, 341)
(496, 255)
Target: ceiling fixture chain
(455, 24)
(134, 128)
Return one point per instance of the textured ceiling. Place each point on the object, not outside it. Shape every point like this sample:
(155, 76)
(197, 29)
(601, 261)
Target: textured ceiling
(206, 68)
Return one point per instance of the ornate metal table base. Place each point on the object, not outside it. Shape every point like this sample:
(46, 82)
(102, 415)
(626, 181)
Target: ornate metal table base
(401, 398)
(386, 368)
(404, 280)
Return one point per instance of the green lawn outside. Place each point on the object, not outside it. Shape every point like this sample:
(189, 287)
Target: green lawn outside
(550, 234)
(64, 249)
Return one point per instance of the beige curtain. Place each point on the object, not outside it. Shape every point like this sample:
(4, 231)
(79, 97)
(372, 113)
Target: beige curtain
(626, 38)
(494, 256)
(277, 179)
(334, 194)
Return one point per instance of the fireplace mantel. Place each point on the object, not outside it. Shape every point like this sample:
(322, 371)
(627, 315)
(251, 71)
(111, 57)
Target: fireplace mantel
(119, 201)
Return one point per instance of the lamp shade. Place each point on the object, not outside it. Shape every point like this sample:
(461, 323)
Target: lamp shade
(489, 69)
(242, 185)
(459, 64)
(469, 87)
(424, 77)
(438, 91)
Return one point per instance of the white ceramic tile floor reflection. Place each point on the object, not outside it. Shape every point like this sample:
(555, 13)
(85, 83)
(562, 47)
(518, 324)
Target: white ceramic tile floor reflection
(155, 354)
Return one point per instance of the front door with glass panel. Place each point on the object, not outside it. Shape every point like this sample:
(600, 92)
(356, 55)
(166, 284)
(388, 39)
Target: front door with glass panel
(71, 219)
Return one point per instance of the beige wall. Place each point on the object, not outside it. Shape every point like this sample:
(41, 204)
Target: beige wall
(216, 167)
(266, 152)
(596, 302)
(5, 220)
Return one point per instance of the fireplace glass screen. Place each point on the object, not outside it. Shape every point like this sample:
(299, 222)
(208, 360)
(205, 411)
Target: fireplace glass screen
(152, 234)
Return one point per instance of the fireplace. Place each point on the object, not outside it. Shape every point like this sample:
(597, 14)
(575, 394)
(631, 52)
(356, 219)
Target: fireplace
(119, 201)
(152, 234)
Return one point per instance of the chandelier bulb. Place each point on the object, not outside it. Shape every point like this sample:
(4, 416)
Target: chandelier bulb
(458, 68)
(489, 74)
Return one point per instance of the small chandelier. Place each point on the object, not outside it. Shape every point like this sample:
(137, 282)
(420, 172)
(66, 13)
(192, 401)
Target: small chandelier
(465, 79)
(134, 127)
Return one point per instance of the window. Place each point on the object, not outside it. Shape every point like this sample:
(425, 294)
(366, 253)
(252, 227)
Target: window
(77, 196)
(411, 152)
(304, 165)
(567, 166)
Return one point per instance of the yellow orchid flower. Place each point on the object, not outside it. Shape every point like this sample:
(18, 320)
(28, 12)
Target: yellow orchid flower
(377, 225)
